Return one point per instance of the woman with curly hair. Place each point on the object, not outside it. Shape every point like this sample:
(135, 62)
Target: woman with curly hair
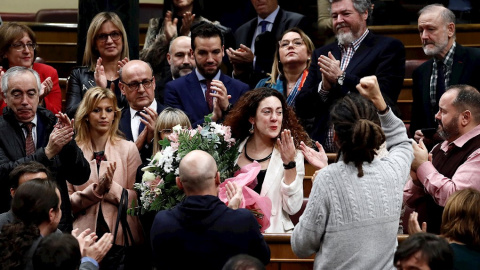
(360, 196)
(270, 134)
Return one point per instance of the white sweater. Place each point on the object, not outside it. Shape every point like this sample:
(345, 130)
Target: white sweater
(352, 222)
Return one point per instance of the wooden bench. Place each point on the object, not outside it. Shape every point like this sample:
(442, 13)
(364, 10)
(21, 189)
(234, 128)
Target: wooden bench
(283, 258)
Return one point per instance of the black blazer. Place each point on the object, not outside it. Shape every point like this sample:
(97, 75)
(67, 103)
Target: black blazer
(465, 70)
(126, 128)
(381, 56)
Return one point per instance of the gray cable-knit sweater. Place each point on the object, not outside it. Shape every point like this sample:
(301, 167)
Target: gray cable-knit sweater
(352, 222)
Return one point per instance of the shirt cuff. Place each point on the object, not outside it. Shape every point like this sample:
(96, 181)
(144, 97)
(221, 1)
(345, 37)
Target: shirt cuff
(88, 259)
(323, 93)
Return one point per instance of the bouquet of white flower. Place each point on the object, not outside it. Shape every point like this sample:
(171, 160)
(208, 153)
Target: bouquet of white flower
(158, 188)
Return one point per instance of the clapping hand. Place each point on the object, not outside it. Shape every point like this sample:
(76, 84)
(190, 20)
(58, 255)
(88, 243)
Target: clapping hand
(99, 74)
(414, 226)
(318, 159)
(187, 22)
(170, 26)
(234, 195)
(46, 87)
(105, 181)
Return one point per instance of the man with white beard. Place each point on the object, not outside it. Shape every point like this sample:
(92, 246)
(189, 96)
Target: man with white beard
(356, 53)
(451, 64)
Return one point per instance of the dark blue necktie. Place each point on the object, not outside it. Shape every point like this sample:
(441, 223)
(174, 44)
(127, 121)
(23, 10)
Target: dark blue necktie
(264, 25)
(141, 127)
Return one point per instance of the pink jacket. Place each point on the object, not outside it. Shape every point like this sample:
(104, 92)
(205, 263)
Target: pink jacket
(85, 202)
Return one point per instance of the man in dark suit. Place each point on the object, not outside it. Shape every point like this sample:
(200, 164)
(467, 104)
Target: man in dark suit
(205, 90)
(201, 227)
(451, 64)
(357, 53)
(256, 40)
(32, 133)
(138, 118)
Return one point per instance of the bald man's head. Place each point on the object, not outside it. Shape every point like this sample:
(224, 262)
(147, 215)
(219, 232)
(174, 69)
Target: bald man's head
(198, 174)
(137, 84)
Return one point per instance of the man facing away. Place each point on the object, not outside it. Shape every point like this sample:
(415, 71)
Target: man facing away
(451, 64)
(340, 65)
(454, 164)
(201, 232)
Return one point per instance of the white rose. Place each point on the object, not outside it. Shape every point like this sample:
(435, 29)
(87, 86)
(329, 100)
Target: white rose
(148, 177)
(157, 157)
(177, 128)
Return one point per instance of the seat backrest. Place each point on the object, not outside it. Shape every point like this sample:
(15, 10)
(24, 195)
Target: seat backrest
(57, 15)
(411, 65)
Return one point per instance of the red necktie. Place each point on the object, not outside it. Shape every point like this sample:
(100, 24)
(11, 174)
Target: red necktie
(29, 144)
(208, 95)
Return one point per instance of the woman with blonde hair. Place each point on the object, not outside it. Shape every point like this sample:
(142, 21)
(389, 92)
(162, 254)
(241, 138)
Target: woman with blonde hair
(106, 51)
(167, 119)
(113, 163)
(290, 66)
(18, 47)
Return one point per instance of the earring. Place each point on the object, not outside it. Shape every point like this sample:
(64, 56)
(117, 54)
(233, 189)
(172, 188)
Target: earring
(251, 130)
(309, 58)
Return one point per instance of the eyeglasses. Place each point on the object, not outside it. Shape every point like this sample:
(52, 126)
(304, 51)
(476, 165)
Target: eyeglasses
(285, 43)
(21, 46)
(165, 130)
(134, 86)
(114, 35)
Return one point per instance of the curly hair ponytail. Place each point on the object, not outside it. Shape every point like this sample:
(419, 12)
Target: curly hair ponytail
(357, 130)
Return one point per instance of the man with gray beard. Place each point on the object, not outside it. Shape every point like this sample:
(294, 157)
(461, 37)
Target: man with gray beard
(340, 65)
(451, 64)
(453, 164)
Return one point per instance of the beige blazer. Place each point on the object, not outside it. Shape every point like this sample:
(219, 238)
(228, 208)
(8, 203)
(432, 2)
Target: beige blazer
(85, 202)
(286, 199)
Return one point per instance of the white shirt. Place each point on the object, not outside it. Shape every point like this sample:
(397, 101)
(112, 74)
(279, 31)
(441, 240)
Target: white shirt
(135, 119)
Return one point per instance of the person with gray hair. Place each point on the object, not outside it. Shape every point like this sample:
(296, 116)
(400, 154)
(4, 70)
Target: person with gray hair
(336, 68)
(453, 164)
(451, 64)
(201, 227)
(29, 132)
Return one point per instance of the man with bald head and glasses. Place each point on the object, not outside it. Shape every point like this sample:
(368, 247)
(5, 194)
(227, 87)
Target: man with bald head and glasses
(137, 84)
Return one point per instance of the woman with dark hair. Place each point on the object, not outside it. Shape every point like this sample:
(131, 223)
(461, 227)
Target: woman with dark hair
(290, 64)
(360, 196)
(106, 51)
(18, 47)
(113, 164)
(270, 135)
(178, 18)
(460, 226)
(36, 207)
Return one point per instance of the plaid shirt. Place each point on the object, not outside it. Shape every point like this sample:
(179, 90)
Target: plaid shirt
(448, 63)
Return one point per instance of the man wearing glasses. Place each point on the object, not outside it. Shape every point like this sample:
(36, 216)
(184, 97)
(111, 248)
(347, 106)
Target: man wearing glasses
(138, 118)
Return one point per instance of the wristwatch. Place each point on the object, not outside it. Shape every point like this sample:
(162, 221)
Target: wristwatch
(290, 165)
(340, 79)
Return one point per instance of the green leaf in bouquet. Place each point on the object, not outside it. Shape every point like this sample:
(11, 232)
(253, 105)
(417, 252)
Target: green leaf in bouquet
(164, 143)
